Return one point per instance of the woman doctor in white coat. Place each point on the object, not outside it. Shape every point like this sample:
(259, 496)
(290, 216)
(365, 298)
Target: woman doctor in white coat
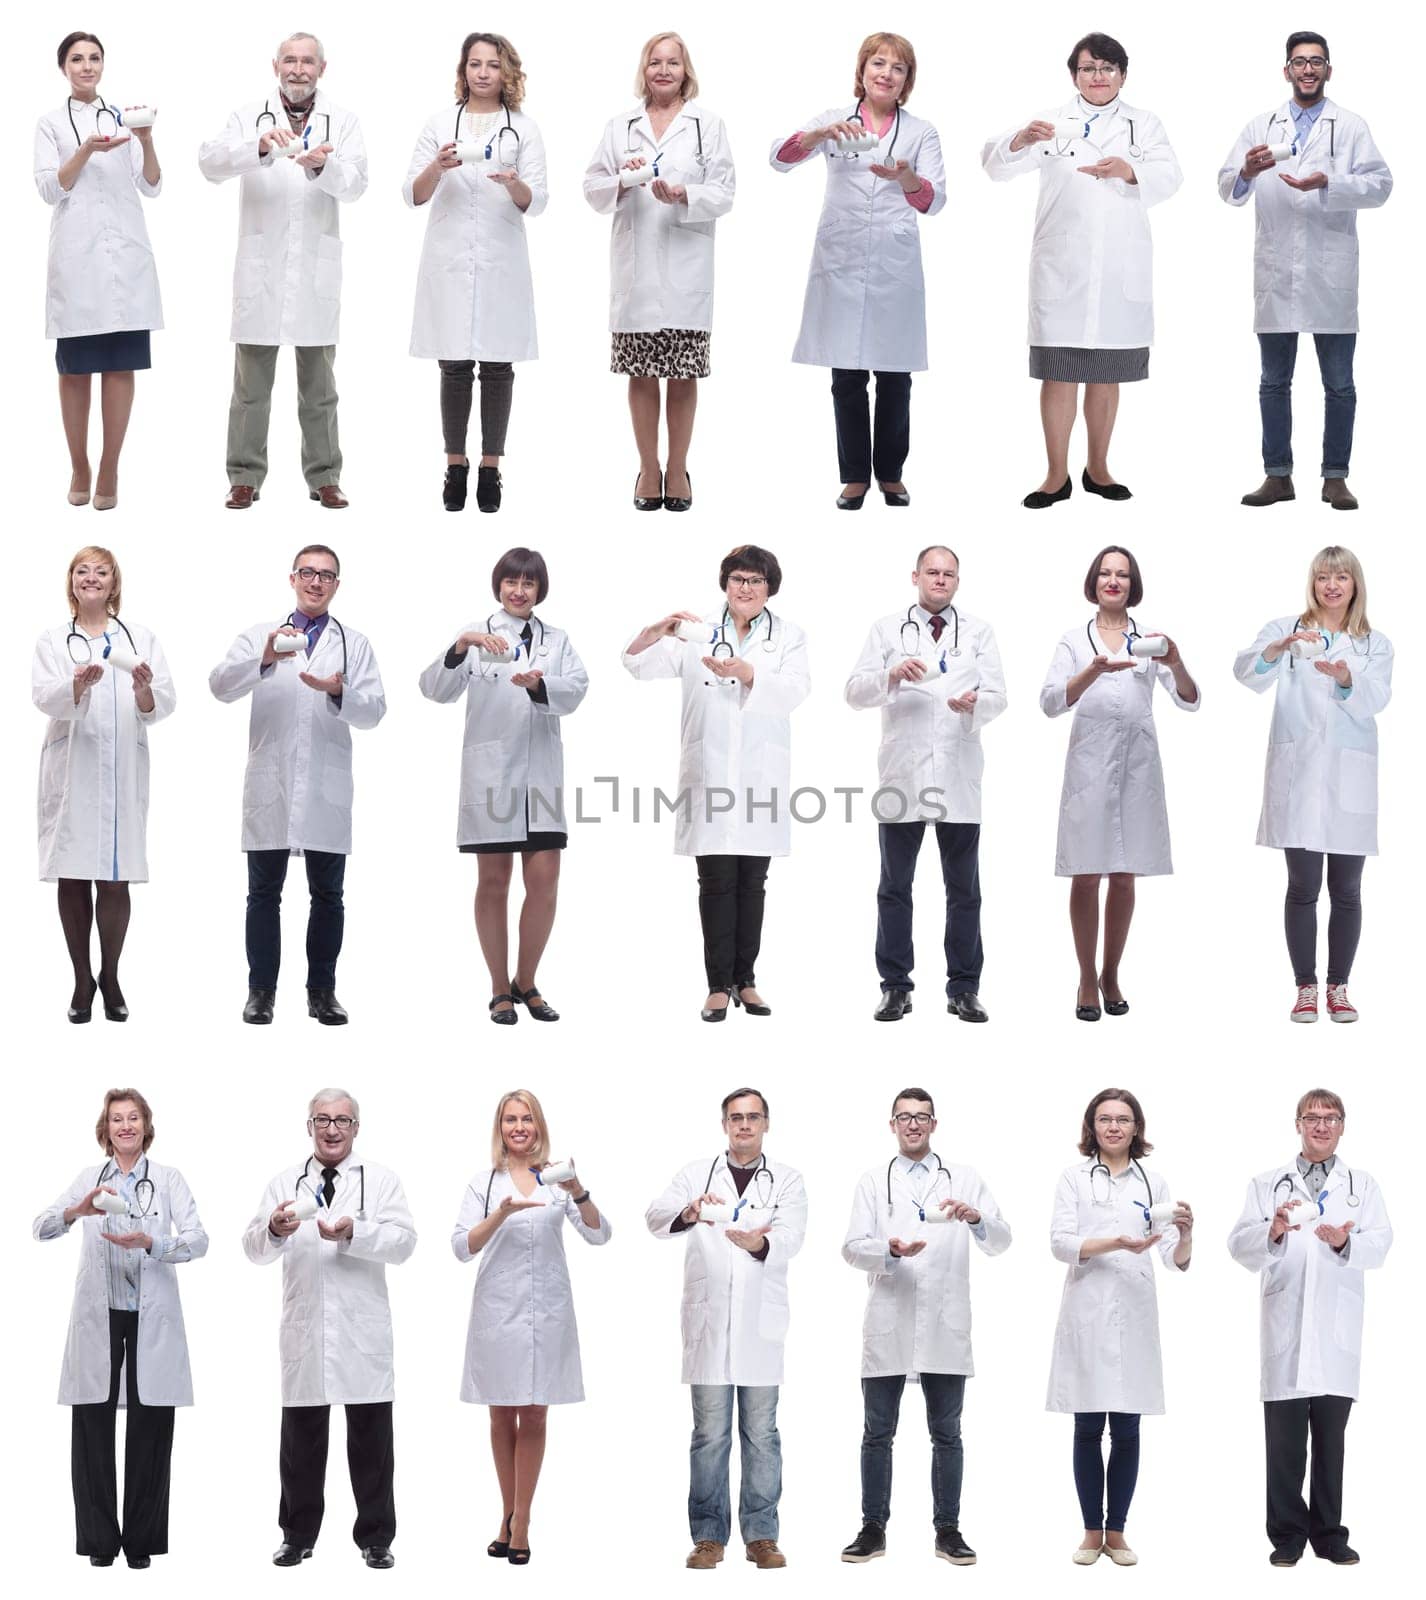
(126, 1320)
(480, 166)
(102, 682)
(1107, 1364)
(744, 671)
(522, 1346)
(1332, 673)
(519, 678)
(664, 171)
(102, 299)
(1113, 818)
(865, 309)
(1102, 164)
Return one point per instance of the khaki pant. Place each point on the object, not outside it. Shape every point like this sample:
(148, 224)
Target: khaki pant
(254, 368)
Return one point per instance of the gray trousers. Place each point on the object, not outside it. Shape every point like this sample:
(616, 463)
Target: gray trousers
(254, 368)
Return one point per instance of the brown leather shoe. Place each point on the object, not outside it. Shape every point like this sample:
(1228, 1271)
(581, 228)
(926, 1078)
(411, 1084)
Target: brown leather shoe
(1334, 491)
(331, 497)
(241, 496)
(704, 1554)
(764, 1553)
(1273, 490)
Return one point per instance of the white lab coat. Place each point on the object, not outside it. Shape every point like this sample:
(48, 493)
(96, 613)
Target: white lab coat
(102, 277)
(512, 742)
(865, 306)
(735, 762)
(661, 255)
(1106, 1354)
(930, 755)
(1312, 1297)
(1092, 259)
(1305, 247)
(1320, 787)
(334, 1340)
(287, 280)
(522, 1345)
(1113, 817)
(474, 297)
(918, 1307)
(94, 763)
(734, 1314)
(172, 1222)
(297, 791)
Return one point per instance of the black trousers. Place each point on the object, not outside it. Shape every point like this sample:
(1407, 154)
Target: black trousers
(730, 906)
(867, 452)
(1287, 1425)
(371, 1460)
(959, 844)
(1344, 925)
(267, 872)
(148, 1449)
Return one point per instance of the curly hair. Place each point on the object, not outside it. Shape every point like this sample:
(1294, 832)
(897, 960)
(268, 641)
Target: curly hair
(512, 72)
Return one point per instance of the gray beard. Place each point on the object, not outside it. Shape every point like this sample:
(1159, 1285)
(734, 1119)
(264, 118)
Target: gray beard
(298, 94)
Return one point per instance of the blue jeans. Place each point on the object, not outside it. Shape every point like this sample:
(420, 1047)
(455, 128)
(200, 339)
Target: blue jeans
(1334, 361)
(959, 846)
(710, 1515)
(326, 920)
(881, 1401)
(1089, 1466)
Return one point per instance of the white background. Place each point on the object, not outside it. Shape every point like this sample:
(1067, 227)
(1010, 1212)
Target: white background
(630, 1079)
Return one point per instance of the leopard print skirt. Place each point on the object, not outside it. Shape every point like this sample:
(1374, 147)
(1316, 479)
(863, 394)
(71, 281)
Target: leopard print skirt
(669, 353)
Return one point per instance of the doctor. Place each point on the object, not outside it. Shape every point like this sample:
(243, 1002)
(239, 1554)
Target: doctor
(335, 1338)
(1332, 673)
(127, 1321)
(917, 1322)
(865, 308)
(481, 168)
(1107, 1364)
(1305, 257)
(1311, 1229)
(734, 1324)
(297, 793)
(661, 254)
(935, 674)
(744, 672)
(300, 158)
(519, 678)
(1102, 164)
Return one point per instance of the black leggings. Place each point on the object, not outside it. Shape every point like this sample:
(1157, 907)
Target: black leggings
(497, 390)
(1089, 1466)
(1344, 925)
(730, 906)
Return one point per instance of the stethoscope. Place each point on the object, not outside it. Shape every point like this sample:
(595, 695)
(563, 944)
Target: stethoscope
(856, 116)
(494, 144)
(88, 643)
(722, 650)
(104, 110)
(271, 116)
(1331, 132)
(532, 650)
(919, 1201)
(1350, 638)
(490, 1183)
(110, 1170)
(1065, 147)
(1290, 1179)
(1100, 1166)
(744, 1202)
(915, 627)
(310, 642)
(1130, 632)
(632, 146)
(316, 1191)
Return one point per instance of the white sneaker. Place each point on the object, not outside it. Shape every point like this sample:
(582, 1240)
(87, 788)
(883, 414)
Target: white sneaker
(1339, 1007)
(1306, 1008)
(1087, 1558)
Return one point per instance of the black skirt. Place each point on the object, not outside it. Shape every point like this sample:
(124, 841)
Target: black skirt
(518, 847)
(126, 351)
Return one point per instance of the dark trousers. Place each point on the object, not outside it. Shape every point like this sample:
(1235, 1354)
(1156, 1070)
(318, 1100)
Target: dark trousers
(1089, 1474)
(1344, 926)
(867, 453)
(267, 872)
(959, 844)
(730, 907)
(148, 1449)
(1334, 362)
(371, 1460)
(1287, 1425)
(497, 390)
(881, 1409)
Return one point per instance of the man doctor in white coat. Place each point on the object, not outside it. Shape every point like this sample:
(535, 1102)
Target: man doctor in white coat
(910, 1232)
(1309, 167)
(297, 793)
(1310, 1229)
(300, 157)
(935, 675)
(334, 1223)
(743, 1218)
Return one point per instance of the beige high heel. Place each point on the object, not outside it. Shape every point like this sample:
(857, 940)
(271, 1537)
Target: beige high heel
(105, 502)
(77, 497)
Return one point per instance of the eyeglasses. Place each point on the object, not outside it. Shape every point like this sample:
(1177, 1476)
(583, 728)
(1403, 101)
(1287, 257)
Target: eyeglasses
(1098, 69)
(1298, 63)
(749, 1119)
(738, 580)
(1328, 1122)
(321, 574)
(341, 1124)
(913, 1119)
(1114, 1122)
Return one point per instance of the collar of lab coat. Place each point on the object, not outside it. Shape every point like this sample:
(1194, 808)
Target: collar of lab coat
(1306, 1170)
(1090, 1162)
(681, 123)
(1284, 114)
(906, 1166)
(316, 1169)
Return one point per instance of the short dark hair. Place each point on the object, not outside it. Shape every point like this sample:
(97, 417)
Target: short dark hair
(522, 563)
(1089, 1145)
(70, 40)
(1295, 39)
(751, 558)
(317, 550)
(930, 547)
(1101, 48)
(1136, 580)
(915, 1094)
(742, 1094)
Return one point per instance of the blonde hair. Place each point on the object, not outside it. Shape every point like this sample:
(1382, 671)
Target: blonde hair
(499, 1155)
(688, 90)
(113, 1098)
(1337, 558)
(1321, 1097)
(886, 41)
(512, 72)
(95, 552)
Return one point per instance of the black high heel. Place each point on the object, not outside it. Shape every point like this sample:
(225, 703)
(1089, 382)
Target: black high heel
(649, 502)
(118, 1013)
(500, 1548)
(1039, 499)
(539, 1010)
(895, 497)
(748, 1006)
(719, 1013)
(506, 1019)
(680, 502)
(84, 1013)
(519, 1558)
(850, 502)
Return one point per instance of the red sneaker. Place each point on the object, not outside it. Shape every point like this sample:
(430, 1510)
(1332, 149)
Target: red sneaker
(1306, 1008)
(1339, 1007)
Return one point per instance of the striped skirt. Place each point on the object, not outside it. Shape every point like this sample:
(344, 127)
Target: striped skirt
(1063, 364)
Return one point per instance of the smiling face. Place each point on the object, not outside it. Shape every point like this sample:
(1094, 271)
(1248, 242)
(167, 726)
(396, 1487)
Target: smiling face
(1097, 81)
(1111, 583)
(884, 78)
(482, 75)
(1308, 71)
(84, 67)
(1333, 589)
(332, 1144)
(913, 1139)
(126, 1129)
(746, 593)
(664, 73)
(517, 595)
(937, 579)
(745, 1122)
(298, 68)
(519, 1132)
(1320, 1128)
(92, 583)
(1114, 1128)
(314, 581)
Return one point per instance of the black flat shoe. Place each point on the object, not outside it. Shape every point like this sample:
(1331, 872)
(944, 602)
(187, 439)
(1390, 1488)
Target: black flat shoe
(719, 1013)
(324, 1005)
(138, 1562)
(506, 1019)
(748, 1006)
(968, 1008)
(456, 486)
(649, 502)
(101, 1561)
(500, 1548)
(893, 1005)
(851, 502)
(534, 1002)
(487, 498)
(1087, 1013)
(680, 502)
(1107, 491)
(379, 1555)
(84, 1013)
(1039, 499)
(291, 1555)
(895, 497)
(1115, 1008)
(259, 1005)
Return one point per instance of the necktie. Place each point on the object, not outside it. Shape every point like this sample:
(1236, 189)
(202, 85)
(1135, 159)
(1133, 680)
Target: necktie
(527, 634)
(329, 1185)
(938, 623)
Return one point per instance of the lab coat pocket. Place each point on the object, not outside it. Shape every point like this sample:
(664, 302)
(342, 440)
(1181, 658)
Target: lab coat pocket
(264, 797)
(1277, 790)
(693, 1317)
(1049, 268)
(1347, 1327)
(327, 280)
(54, 777)
(1279, 1323)
(1357, 776)
(1138, 270)
(1339, 262)
(337, 779)
(250, 270)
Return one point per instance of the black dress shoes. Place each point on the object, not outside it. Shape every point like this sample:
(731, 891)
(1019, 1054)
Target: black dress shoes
(1087, 1013)
(1340, 1555)
(649, 502)
(893, 1005)
(895, 497)
(324, 1005)
(487, 488)
(1039, 499)
(951, 1547)
(456, 486)
(535, 1003)
(968, 1008)
(378, 1555)
(1284, 1556)
(851, 502)
(680, 502)
(84, 1013)
(507, 1018)
(753, 1008)
(138, 1562)
(259, 1006)
(1106, 491)
(291, 1555)
(868, 1544)
(101, 1561)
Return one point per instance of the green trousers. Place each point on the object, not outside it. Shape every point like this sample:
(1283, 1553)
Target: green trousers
(254, 368)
